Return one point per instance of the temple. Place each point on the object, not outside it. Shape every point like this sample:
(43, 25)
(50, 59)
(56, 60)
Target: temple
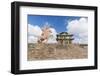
(64, 38)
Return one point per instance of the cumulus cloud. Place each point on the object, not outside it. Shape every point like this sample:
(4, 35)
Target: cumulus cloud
(52, 38)
(34, 33)
(32, 39)
(79, 28)
(34, 30)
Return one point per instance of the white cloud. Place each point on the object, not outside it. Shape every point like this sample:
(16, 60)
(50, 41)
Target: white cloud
(34, 32)
(32, 39)
(79, 28)
(52, 38)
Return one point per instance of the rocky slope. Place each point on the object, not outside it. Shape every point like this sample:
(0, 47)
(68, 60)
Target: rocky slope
(55, 51)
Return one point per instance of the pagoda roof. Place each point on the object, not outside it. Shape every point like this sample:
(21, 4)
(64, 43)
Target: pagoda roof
(64, 33)
(65, 39)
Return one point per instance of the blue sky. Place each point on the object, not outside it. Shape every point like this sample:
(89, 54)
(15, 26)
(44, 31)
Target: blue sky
(76, 25)
(57, 22)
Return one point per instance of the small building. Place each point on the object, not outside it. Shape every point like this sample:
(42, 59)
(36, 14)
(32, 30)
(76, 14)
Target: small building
(64, 38)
